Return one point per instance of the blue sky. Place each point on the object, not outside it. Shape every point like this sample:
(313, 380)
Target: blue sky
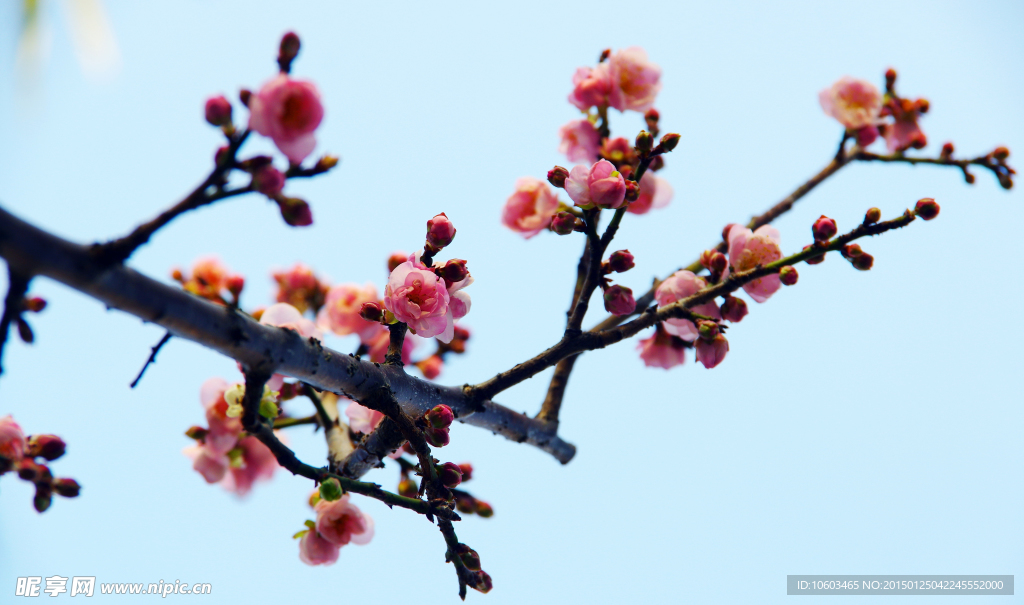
(862, 423)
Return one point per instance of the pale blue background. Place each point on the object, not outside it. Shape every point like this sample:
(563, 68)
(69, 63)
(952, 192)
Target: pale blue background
(863, 422)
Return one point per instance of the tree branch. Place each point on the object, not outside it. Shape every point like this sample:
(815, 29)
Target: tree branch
(152, 358)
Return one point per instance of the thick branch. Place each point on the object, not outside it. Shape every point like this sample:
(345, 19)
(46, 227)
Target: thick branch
(238, 336)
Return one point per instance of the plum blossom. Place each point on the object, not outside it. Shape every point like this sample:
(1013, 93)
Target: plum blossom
(662, 350)
(287, 111)
(528, 211)
(599, 185)
(209, 278)
(683, 284)
(905, 132)
(748, 249)
(362, 419)
(424, 301)
(340, 313)
(591, 86)
(12, 439)
(712, 352)
(635, 80)
(340, 522)
(854, 103)
(655, 192)
(580, 141)
(299, 287)
(315, 550)
(255, 462)
(284, 315)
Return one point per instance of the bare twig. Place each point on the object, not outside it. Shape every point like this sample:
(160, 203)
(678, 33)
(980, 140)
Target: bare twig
(152, 358)
(14, 303)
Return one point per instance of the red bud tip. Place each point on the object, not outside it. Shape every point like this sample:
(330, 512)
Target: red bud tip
(824, 229)
(788, 276)
(68, 488)
(453, 271)
(396, 258)
(563, 223)
(557, 176)
(218, 111)
(926, 208)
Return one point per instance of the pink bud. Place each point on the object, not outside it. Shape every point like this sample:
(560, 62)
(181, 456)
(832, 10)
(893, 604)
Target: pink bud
(218, 111)
(867, 135)
(872, 216)
(815, 260)
(371, 311)
(440, 231)
(824, 229)
(620, 261)
(295, 211)
(269, 181)
(49, 447)
(711, 353)
(563, 223)
(926, 208)
(450, 474)
(734, 309)
(557, 176)
(431, 366)
(396, 258)
(440, 416)
(618, 300)
(290, 45)
(453, 271)
(707, 330)
(235, 284)
(788, 276)
(484, 509)
(467, 471)
(437, 437)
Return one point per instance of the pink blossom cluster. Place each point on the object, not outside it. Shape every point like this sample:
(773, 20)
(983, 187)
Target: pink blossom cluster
(862, 109)
(338, 523)
(223, 453)
(626, 81)
(210, 279)
(20, 453)
(425, 301)
(300, 287)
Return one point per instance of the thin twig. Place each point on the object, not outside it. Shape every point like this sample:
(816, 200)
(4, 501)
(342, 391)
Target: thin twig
(152, 358)
(14, 303)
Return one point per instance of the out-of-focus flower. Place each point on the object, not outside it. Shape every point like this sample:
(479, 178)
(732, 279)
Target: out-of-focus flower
(288, 111)
(748, 249)
(12, 439)
(315, 550)
(711, 352)
(591, 87)
(299, 287)
(528, 211)
(284, 315)
(655, 192)
(341, 311)
(854, 103)
(635, 80)
(341, 522)
(683, 284)
(662, 350)
(580, 141)
(362, 419)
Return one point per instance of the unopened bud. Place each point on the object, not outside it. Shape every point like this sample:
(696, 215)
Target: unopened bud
(437, 437)
(43, 498)
(222, 157)
(968, 177)
(652, 115)
(788, 276)
(872, 216)
(431, 366)
(632, 190)
(851, 251)
(49, 447)
(922, 105)
(947, 151)
(326, 163)
(926, 208)
(330, 490)
(235, 284)
(867, 135)
(371, 311)
(734, 309)
(25, 331)
(439, 416)
(618, 300)
(449, 474)
(824, 229)
(290, 45)
(245, 95)
(269, 181)
(863, 261)
(644, 142)
(1001, 153)
(218, 111)
(396, 258)
(563, 223)
(470, 558)
(620, 261)
(453, 271)
(35, 304)
(484, 509)
(68, 488)
(557, 176)
(483, 583)
(668, 142)
(467, 471)
(464, 503)
(815, 260)
(890, 78)
(440, 231)
(707, 330)
(407, 488)
(718, 262)
(197, 432)
(295, 211)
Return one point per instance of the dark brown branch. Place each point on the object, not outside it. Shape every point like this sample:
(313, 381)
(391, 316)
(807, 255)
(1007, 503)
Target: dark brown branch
(14, 303)
(152, 358)
(236, 335)
(397, 339)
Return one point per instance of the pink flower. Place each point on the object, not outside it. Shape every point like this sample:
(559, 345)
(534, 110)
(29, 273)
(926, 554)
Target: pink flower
(268, 180)
(748, 249)
(257, 464)
(12, 439)
(635, 80)
(618, 300)
(223, 431)
(299, 287)
(287, 111)
(362, 419)
(341, 522)
(655, 192)
(213, 466)
(440, 231)
(315, 550)
(600, 185)
(591, 87)
(683, 284)
(284, 315)
(379, 342)
(209, 278)
(904, 134)
(420, 299)
(580, 141)
(711, 353)
(528, 211)
(662, 350)
(340, 313)
(855, 103)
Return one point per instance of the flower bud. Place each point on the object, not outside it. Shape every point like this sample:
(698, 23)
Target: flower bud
(863, 261)
(788, 276)
(25, 331)
(851, 251)
(29, 470)
(439, 416)
(644, 142)
(947, 151)
(618, 300)
(49, 447)
(872, 216)
(483, 583)
(222, 157)
(824, 229)
(557, 176)
(922, 105)
(708, 330)
(866, 136)
(734, 309)
(371, 311)
(449, 474)
(326, 163)
(244, 95)
(968, 177)
(43, 498)
(440, 231)
(668, 143)
(35, 304)
(1001, 153)
(890, 78)
(290, 45)
(437, 437)
(407, 488)
(718, 262)
(235, 284)
(710, 353)
(68, 488)
(396, 258)
(467, 471)
(218, 111)
(453, 271)
(268, 180)
(330, 490)
(632, 190)
(431, 366)
(620, 261)
(464, 503)
(652, 115)
(295, 211)
(926, 208)
(470, 558)
(484, 509)
(197, 432)
(815, 260)
(563, 223)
